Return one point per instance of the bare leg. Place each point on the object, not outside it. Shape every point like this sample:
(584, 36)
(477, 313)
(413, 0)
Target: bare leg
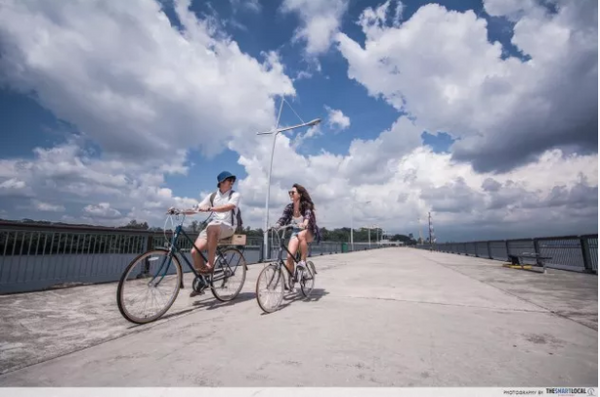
(292, 247)
(213, 232)
(305, 237)
(197, 257)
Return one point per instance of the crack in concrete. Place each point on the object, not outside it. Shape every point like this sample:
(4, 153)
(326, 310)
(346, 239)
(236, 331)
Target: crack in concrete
(450, 304)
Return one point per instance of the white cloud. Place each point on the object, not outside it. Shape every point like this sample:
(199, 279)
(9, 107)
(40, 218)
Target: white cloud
(251, 5)
(12, 184)
(440, 68)
(141, 88)
(321, 20)
(402, 181)
(303, 74)
(166, 91)
(68, 175)
(41, 206)
(101, 210)
(337, 119)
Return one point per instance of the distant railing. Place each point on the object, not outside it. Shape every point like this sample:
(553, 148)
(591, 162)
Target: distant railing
(576, 253)
(36, 256)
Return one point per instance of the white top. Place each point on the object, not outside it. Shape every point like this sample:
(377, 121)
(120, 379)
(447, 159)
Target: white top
(219, 200)
(298, 220)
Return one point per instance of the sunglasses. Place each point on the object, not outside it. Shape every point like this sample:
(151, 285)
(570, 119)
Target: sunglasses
(232, 180)
(291, 192)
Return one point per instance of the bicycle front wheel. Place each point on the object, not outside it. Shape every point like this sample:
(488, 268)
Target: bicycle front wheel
(269, 288)
(149, 286)
(306, 279)
(229, 275)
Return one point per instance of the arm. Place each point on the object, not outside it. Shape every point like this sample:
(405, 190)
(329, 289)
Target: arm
(307, 215)
(286, 216)
(232, 204)
(202, 206)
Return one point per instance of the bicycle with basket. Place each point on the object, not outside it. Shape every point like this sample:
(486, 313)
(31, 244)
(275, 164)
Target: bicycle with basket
(157, 274)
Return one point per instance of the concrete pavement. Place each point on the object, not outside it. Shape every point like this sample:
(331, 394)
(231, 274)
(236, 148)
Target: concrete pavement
(390, 317)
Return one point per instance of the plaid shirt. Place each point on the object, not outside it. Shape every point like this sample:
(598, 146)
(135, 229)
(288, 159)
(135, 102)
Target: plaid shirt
(286, 218)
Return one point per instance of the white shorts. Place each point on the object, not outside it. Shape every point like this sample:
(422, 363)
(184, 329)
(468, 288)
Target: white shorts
(225, 231)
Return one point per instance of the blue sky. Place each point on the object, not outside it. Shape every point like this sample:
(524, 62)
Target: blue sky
(467, 110)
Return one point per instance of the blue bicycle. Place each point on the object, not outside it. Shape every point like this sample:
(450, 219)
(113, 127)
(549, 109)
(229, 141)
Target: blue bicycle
(155, 277)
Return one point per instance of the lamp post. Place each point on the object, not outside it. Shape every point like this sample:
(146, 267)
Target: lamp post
(276, 132)
(352, 220)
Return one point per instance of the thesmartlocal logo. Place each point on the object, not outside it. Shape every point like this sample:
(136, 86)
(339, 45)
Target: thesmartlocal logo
(571, 390)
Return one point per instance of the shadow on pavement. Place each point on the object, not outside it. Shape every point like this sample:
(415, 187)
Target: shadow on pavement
(214, 303)
(314, 296)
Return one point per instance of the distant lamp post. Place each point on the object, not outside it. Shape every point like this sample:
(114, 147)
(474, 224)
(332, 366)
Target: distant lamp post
(276, 132)
(352, 220)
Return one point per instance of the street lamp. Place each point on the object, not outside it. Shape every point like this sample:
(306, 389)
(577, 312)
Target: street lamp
(276, 132)
(352, 219)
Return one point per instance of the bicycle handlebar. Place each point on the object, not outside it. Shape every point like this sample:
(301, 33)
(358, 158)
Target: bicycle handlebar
(280, 228)
(177, 211)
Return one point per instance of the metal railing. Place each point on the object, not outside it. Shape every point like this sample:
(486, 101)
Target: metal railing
(576, 253)
(35, 256)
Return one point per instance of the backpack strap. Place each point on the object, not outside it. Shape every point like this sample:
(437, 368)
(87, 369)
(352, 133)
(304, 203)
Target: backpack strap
(212, 197)
(232, 211)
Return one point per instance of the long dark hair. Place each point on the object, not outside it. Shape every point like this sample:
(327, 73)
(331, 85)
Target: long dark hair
(305, 200)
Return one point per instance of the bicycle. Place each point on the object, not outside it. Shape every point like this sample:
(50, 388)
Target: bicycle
(273, 277)
(155, 265)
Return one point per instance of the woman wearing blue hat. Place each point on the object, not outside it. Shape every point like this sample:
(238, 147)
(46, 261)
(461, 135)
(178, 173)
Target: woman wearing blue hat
(224, 204)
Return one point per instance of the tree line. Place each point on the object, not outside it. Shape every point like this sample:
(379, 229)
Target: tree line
(74, 242)
(333, 235)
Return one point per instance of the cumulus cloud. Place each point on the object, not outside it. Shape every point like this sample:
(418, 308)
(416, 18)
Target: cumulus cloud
(142, 88)
(336, 119)
(12, 184)
(320, 21)
(101, 210)
(41, 206)
(168, 90)
(440, 68)
(68, 176)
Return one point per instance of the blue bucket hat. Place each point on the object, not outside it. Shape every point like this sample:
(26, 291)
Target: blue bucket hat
(224, 175)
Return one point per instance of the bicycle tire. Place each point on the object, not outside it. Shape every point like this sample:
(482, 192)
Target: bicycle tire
(277, 278)
(304, 287)
(125, 312)
(241, 266)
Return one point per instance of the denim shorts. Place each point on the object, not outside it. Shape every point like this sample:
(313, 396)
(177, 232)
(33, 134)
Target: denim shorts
(295, 231)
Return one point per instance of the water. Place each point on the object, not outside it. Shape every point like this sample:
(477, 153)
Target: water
(563, 253)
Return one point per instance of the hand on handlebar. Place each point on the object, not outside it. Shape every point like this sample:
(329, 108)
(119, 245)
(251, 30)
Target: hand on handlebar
(278, 227)
(173, 211)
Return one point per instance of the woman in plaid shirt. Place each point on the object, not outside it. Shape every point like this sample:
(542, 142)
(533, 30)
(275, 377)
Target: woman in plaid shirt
(301, 213)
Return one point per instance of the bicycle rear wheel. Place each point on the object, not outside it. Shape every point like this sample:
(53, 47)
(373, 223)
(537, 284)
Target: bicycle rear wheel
(229, 275)
(269, 288)
(149, 286)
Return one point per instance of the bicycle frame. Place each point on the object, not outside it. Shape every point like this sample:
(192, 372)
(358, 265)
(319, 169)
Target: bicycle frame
(174, 249)
(282, 247)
